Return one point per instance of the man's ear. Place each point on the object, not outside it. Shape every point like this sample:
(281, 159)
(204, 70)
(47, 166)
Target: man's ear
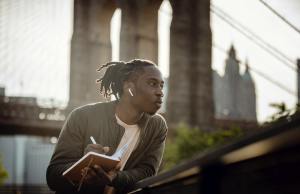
(128, 85)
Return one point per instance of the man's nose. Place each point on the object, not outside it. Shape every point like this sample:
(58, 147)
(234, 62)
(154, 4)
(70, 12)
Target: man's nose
(159, 92)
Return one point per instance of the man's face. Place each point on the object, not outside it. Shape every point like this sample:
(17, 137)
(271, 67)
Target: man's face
(148, 90)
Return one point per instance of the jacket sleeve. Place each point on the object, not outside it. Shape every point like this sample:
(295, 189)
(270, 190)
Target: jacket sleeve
(149, 164)
(67, 151)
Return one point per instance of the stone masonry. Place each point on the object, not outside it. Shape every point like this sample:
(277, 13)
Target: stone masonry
(90, 48)
(190, 97)
(139, 36)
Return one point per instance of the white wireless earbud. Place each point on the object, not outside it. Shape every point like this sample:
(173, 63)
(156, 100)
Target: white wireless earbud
(130, 91)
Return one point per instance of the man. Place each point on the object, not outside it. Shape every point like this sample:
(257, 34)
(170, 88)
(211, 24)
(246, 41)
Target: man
(131, 119)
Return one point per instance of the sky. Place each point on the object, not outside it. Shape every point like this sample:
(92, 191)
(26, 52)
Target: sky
(39, 65)
(257, 18)
(261, 21)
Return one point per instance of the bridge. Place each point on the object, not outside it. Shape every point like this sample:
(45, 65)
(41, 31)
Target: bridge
(271, 168)
(22, 115)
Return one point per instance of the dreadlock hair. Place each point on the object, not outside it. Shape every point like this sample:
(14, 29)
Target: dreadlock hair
(117, 72)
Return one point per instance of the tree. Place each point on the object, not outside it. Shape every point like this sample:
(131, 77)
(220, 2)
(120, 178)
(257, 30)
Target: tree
(191, 141)
(3, 172)
(282, 113)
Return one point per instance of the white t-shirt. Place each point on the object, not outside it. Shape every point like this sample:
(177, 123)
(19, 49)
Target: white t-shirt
(131, 136)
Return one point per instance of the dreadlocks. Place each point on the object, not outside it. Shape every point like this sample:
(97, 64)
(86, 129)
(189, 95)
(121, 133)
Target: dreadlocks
(118, 72)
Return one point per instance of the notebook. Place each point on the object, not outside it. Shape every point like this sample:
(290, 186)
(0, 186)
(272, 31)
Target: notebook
(91, 158)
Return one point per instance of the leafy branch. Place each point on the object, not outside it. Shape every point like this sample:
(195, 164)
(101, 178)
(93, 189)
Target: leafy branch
(190, 141)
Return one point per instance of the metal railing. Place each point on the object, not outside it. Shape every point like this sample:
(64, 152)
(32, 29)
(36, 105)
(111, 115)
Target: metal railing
(265, 162)
(25, 189)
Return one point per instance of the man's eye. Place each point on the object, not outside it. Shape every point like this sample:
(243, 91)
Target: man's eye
(152, 84)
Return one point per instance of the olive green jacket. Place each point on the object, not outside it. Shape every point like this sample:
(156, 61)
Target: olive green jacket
(98, 120)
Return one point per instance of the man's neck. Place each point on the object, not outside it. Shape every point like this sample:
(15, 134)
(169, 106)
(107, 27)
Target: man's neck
(127, 113)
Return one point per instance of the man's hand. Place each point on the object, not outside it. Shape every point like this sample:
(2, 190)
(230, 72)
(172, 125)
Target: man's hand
(96, 148)
(97, 175)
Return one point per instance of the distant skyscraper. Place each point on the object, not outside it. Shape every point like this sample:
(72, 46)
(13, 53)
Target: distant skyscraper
(247, 99)
(231, 84)
(234, 94)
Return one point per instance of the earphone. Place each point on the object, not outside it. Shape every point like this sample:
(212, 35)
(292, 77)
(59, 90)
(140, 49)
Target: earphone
(130, 91)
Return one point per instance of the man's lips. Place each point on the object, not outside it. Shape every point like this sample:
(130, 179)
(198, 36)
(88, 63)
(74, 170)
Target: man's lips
(158, 102)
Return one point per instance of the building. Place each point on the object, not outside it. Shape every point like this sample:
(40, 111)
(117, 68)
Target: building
(234, 93)
(25, 158)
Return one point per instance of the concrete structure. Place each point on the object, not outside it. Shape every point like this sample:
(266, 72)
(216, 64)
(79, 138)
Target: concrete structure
(234, 94)
(22, 115)
(139, 36)
(91, 44)
(90, 48)
(190, 97)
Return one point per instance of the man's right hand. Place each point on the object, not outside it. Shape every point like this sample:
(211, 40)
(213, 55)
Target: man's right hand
(96, 148)
(97, 175)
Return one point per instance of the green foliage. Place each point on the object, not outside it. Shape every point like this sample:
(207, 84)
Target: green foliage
(3, 172)
(282, 112)
(191, 141)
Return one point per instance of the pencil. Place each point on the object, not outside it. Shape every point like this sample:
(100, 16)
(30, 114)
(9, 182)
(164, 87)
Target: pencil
(93, 140)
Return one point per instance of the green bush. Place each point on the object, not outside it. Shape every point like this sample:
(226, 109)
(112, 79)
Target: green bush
(3, 172)
(191, 141)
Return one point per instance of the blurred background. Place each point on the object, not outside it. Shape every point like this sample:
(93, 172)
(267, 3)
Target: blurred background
(230, 65)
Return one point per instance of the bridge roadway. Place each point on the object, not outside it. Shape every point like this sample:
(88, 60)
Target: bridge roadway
(30, 119)
(23, 115)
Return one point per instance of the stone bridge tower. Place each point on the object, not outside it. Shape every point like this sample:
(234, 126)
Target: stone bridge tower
(90, 47)
(139, 36)
(190, 98)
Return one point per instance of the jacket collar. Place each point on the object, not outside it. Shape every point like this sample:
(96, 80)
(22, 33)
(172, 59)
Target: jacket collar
(142, 123)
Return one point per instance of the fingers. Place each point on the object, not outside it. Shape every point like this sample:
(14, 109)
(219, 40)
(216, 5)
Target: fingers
(90, 175)
(96, 148)
(99, 170)
(118, 166)
(96, 174)
(102, 174)
(106, 149)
